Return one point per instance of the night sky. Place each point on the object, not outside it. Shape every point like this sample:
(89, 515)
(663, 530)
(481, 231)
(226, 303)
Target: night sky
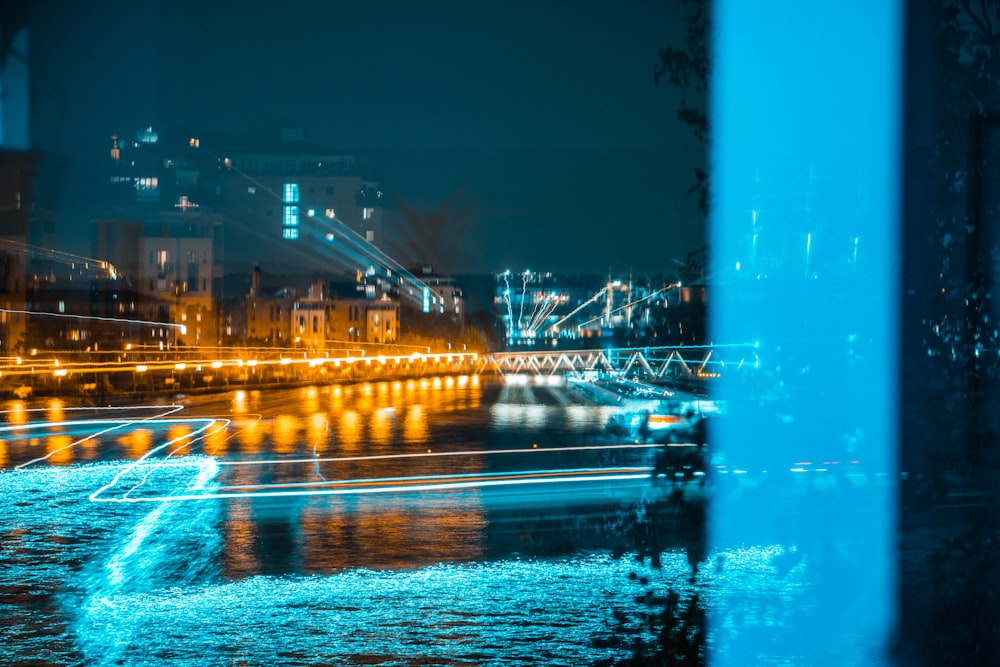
(542, 117)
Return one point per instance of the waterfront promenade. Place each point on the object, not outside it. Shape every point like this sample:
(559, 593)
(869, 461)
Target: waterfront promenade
(142, 371)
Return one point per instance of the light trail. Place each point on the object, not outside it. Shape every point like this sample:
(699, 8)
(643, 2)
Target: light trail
(187, 439)
(355, 248)
(468, 452)
(626, 305)
(582, 306)
(179, 361)
(98, 318)
(170, 409)
(140, 471)
(197, 433)
(524, 292)
(72, 259)
(364, 486)
(541, 310)
(610, 475)
(442, 479)
(506, 295)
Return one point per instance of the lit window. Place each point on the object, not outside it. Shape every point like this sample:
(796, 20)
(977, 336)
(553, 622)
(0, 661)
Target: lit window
(251, 190)
(62, 306)
(291, 192)
(311, 213)
(290, 233)
(370, 236)
(291, 216)
(330, 213)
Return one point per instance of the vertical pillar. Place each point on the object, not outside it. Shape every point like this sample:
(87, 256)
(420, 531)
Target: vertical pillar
(805, 160)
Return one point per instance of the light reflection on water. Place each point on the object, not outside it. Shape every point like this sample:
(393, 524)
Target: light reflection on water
(375, 579)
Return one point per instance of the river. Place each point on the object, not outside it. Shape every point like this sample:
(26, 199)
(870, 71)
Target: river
(439, 521)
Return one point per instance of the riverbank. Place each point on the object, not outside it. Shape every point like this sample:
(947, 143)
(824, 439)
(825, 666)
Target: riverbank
(160, 375)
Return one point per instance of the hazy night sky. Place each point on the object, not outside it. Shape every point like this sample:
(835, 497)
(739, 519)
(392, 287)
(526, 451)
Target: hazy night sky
(543, 115)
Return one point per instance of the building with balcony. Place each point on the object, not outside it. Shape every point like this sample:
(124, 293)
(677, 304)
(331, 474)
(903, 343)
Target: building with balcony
(330, 316)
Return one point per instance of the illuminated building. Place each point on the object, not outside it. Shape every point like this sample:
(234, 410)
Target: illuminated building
(171, 265)
(133, 170)
(268, 314)
(267, 187)
(329, 316)
(178, 264)
(449, 294)
(17, 173)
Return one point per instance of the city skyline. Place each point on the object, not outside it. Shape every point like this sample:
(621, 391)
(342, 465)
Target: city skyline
(545, 120)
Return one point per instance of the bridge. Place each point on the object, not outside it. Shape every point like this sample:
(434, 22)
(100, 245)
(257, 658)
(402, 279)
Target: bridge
(684, 362)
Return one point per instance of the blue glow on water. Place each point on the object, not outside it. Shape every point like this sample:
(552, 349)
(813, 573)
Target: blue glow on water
(805, 157)
(435, 577)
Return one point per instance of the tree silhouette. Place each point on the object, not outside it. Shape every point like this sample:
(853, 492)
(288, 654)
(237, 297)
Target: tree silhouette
(433, 236)
(688, 69)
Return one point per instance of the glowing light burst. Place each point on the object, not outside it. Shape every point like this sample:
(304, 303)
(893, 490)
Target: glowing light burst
(506, 296)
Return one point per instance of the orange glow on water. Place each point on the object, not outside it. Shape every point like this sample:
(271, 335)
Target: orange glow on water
(349, 430)
(381, 426)
(60, 450)
(178, 434)
(241, 534)
(284, 433)
(311, 399)
(16, 413)
(89, 449)
(318, 432)
(55, 410)
(250, 435)
(415, 429)
(137, 442)
(216, 442)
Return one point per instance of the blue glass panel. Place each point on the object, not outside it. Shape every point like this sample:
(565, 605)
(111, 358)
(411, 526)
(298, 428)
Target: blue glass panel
(804, 230)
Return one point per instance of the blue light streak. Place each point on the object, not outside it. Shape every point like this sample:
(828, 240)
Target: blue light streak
(165, 455)
(207, 423)
(115, 425)
(444, 486)
(471, 452)
(489, 476)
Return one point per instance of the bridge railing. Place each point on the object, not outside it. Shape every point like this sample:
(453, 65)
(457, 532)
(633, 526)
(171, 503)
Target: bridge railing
(665, 362)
